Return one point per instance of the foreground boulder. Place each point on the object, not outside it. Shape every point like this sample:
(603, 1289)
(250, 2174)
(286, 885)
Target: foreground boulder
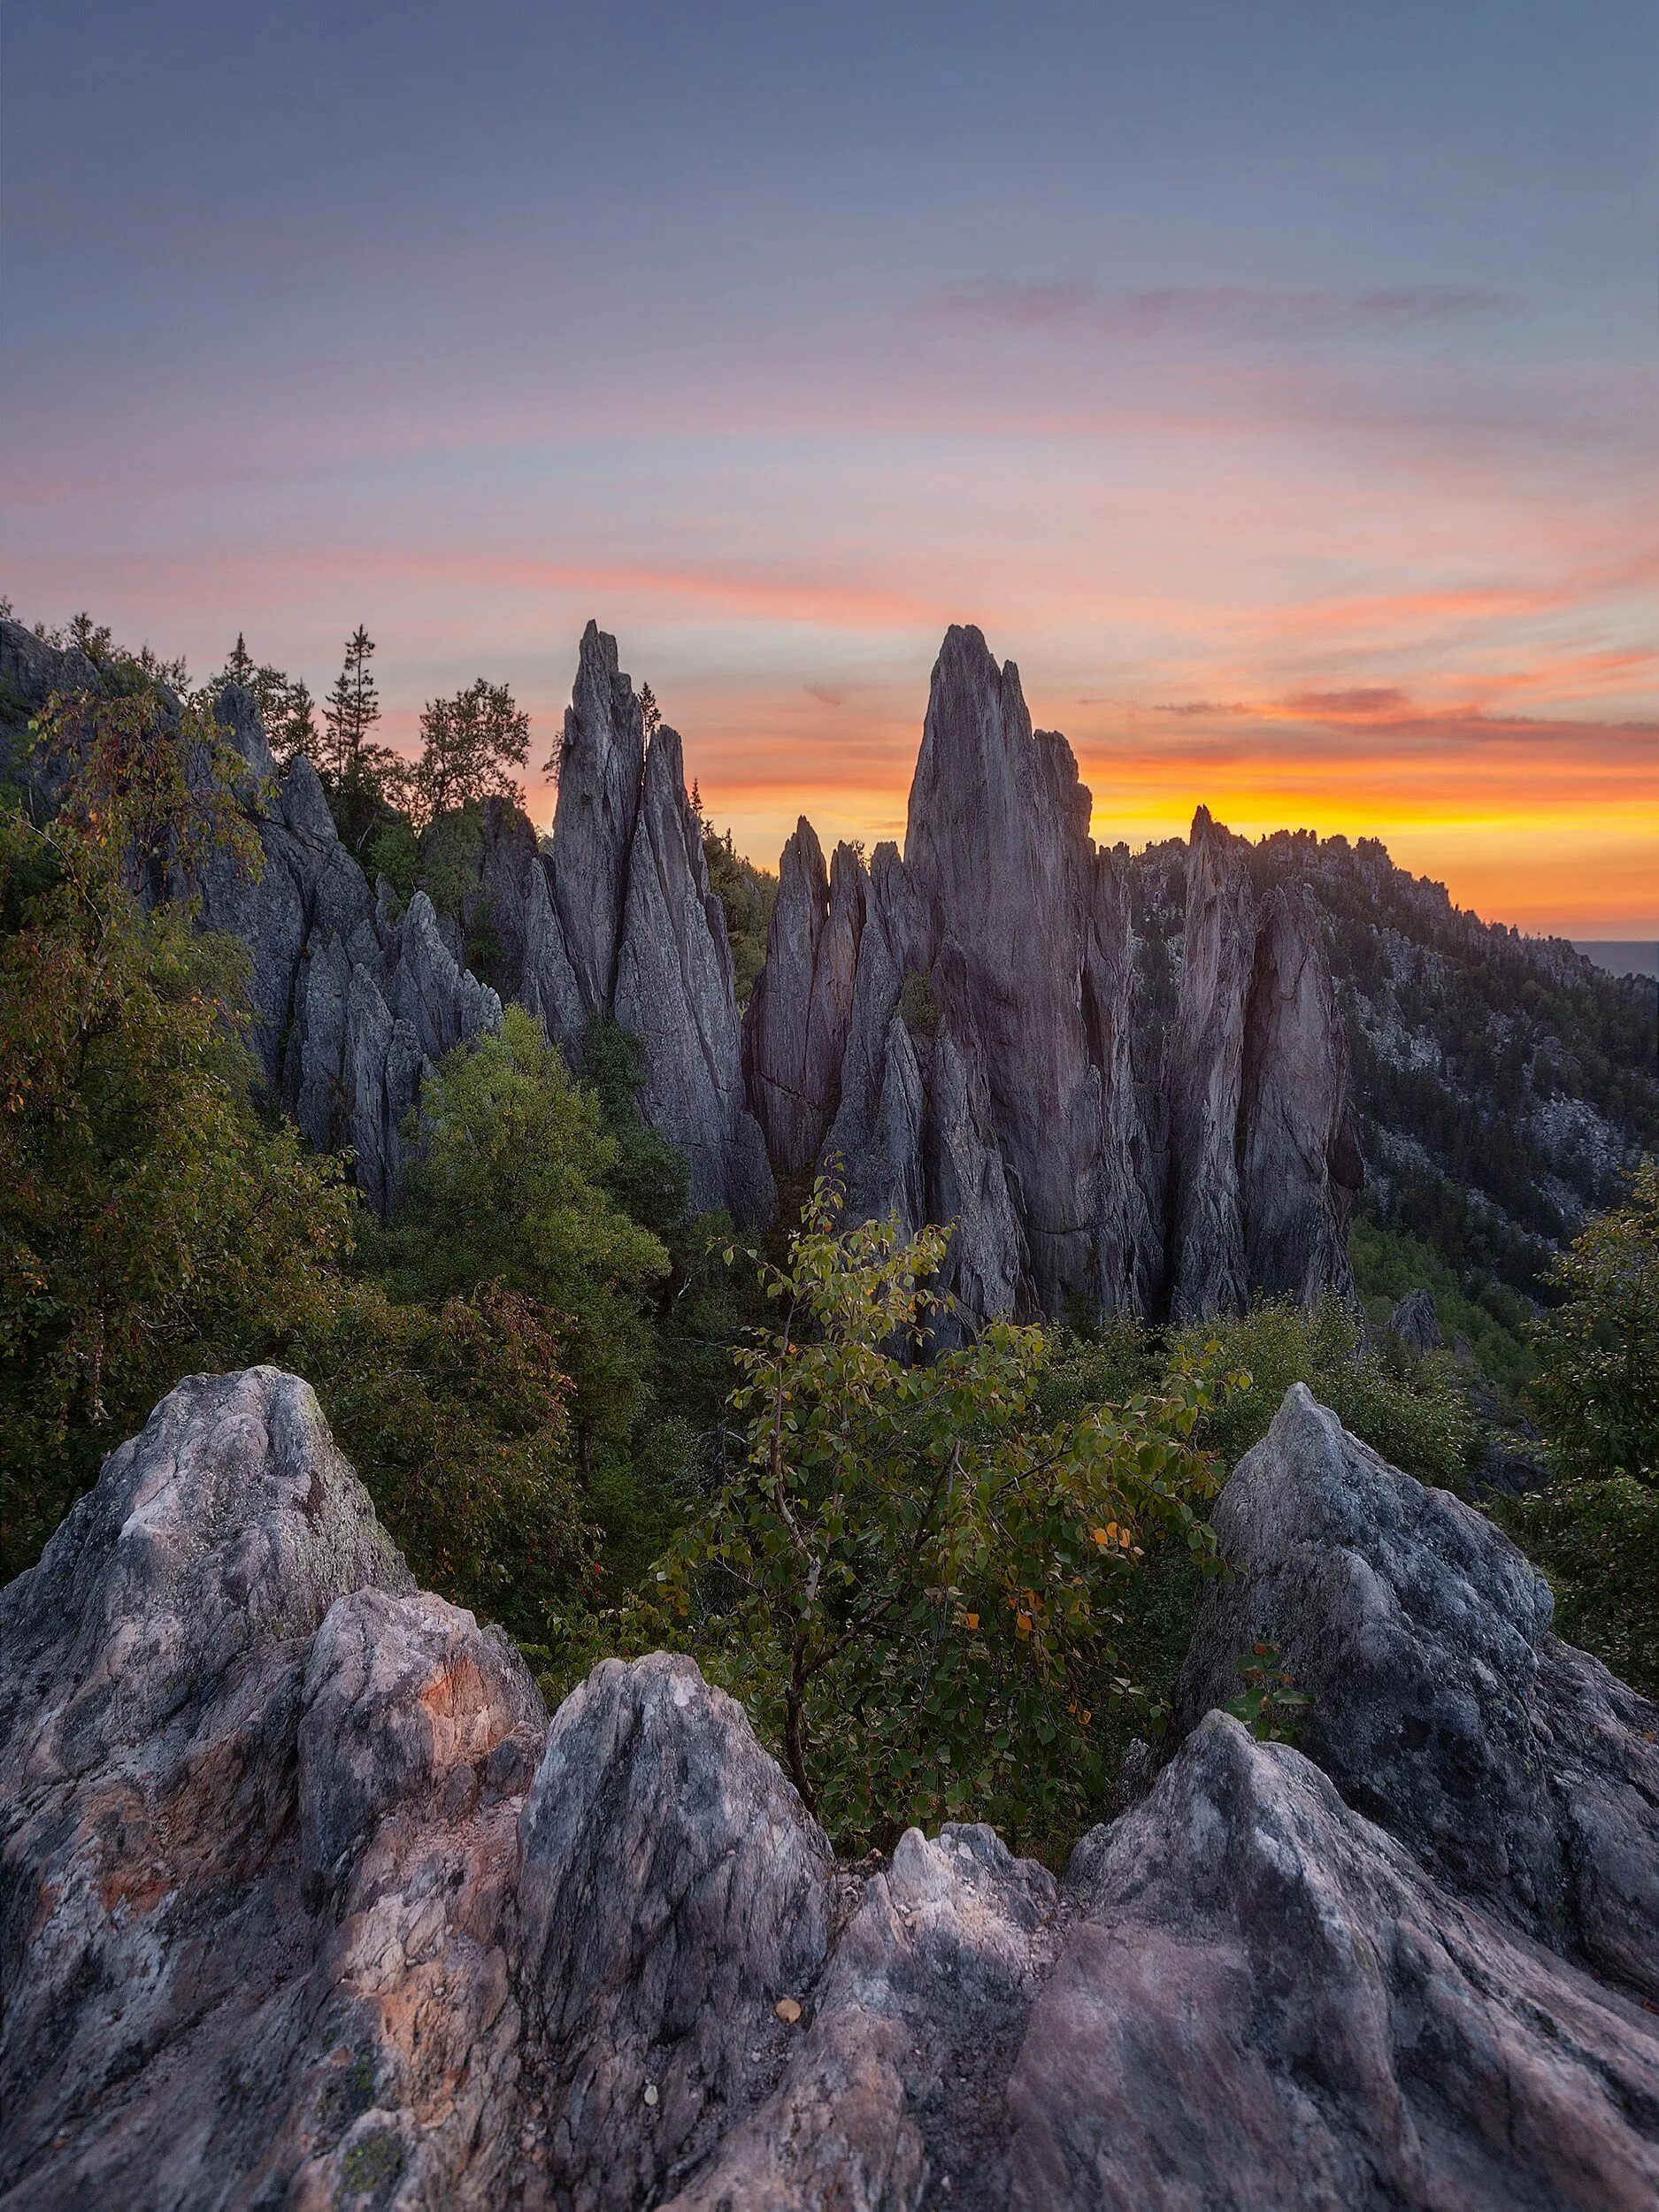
(306, 1905)
(1517, 1771)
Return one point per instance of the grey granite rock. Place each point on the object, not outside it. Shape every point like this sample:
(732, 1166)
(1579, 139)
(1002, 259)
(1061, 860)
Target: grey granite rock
(1517, 1770)
(1234, 1168)
(790, 1100)
(1204, 1078)
(1265, 2003)
(673, 1891)
(304, 1904)
(997, 850)
(1414, 1322)
(675, 993)
(602, 767)
(1298, 1168)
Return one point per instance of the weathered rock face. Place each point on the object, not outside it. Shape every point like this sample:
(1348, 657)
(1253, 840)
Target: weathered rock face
(1417, 1325)
(372, 1013)
(1517, 1770)
(1030, 1132)
(1204, 1078)
(602, 767)
(305, 1905)
(350, 1002)
(675, 992)
(790, 1104)
(1299, 1166)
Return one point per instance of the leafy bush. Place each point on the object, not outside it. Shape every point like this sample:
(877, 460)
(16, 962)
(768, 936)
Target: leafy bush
(1408, 1409)
(1595, 1531)
(510, 1190)
(1598, 1355)
(150, 1224)
(1495, 1321)
(918, 1585)
(1597, 1541)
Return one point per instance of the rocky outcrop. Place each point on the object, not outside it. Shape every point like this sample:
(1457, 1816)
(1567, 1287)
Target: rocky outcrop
(1299, 1163)
(1417, 1325)
(602, 769)
(1516, 1770)
(675, 992)
(305, 1904)
(372, 1013)
(791, 1095)
(1026, 1122)
(1204, 1078)
(351, 1000)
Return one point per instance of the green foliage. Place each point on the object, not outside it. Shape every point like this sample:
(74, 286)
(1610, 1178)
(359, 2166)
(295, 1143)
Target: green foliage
(456, 1413)
(285, 707)
(469, 746)
(1595, 1531)
(1270, 1700)
(746, 894)
(366, 782)
(1495, 1321)
(1408, 1409)
(511, 1191)
(919, 1009)
(648, 1176)
(920, 1582)
(1598, 1354)
(393, 850)
(149, 1224)
(1597, 1540)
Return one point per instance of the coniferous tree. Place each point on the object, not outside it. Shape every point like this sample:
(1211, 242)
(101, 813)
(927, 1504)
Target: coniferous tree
(353, 708)
(365, 782)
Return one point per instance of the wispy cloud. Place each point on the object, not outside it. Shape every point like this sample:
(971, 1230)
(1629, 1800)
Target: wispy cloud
(1076, 306)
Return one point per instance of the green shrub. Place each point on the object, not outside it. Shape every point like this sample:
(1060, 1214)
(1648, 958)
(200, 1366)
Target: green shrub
(925, 1592)
(1598, 1354)
(1597, 1541)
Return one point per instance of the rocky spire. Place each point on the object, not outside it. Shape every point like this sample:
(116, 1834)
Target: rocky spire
(675, 993)
(1300, 1167)
(602, 762)
(997, 849)
(792, 1115)
(1204, 1075)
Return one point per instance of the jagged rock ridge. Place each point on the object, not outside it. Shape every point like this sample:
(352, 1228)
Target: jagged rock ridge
(352, 1002)
(307, 1904)
(955, 1031)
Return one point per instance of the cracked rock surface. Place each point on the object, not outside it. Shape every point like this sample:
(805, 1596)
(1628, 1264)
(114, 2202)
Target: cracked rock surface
(307, 1904)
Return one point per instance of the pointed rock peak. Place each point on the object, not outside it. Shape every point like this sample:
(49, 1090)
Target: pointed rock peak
(602, 697)
(966, 676)
(802, 860)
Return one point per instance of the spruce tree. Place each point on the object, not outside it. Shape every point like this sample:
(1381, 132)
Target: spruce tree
(352, 709)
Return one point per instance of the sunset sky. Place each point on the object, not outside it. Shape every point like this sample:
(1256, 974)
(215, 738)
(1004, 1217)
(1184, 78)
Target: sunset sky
(1274, 381)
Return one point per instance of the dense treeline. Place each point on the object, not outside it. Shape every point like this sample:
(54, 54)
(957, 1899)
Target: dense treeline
(944, 1585)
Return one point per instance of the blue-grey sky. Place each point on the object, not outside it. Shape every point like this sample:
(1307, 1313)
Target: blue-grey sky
(1274, 381)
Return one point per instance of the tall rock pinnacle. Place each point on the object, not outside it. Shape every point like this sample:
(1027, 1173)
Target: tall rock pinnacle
(601, 766)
